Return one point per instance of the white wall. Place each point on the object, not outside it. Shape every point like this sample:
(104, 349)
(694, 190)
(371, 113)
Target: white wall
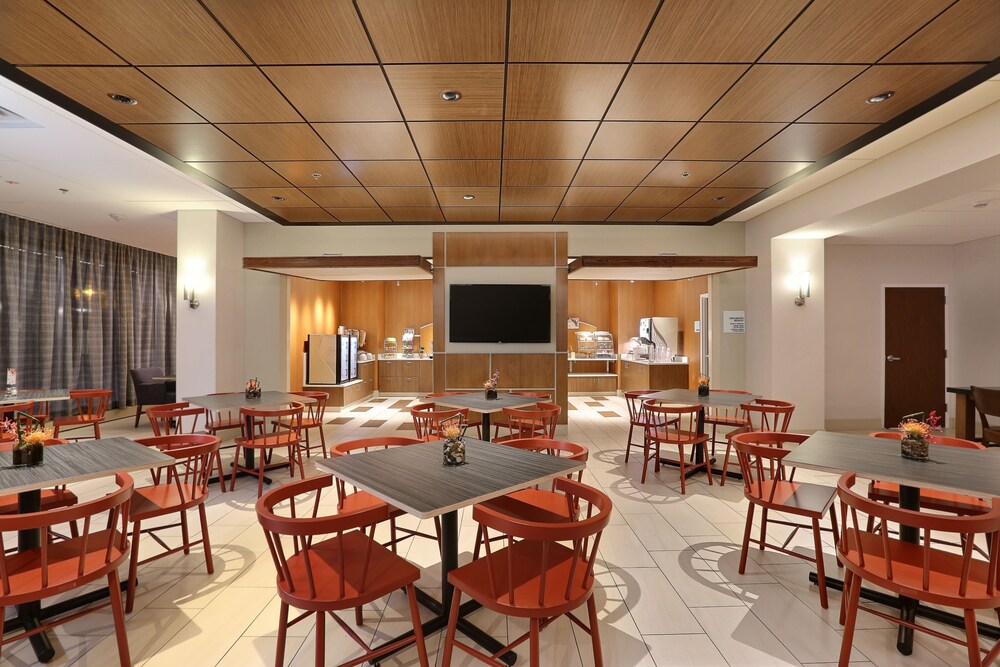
(265, 326)
(975, 309)
(727, 291)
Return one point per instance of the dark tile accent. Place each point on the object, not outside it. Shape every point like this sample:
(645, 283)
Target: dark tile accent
(598, 398)
(363, 408)
(377, 400)
(342, 420)
(406, 427)
(595, 404)
(571, 407)
(399, 405)
(373, 423)
(608, 413)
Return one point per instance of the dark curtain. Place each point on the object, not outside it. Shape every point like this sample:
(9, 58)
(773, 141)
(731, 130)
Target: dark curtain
(77, 312)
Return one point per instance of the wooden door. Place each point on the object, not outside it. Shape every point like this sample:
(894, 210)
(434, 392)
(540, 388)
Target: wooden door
(915, 352)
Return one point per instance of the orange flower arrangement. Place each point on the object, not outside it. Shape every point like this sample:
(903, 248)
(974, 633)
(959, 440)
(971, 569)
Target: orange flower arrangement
(452, 432)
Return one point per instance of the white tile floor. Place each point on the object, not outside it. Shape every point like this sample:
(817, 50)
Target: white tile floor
(667, 586)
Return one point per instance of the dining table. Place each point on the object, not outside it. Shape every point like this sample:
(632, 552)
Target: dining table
(36, 395)
(971, 472)
(477, 402)
(65, 464)
(414, 479)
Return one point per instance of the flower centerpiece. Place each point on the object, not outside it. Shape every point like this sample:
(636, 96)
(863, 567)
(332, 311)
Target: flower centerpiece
(29, 438)
(703, 388)
(454, 445)
(252, 388)
(491, 385)
(915, 443)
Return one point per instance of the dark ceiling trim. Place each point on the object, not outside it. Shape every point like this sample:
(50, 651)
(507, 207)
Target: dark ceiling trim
(726, 262)
(329, 262)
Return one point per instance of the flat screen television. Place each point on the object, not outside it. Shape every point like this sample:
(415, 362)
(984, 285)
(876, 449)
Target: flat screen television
(500, 314)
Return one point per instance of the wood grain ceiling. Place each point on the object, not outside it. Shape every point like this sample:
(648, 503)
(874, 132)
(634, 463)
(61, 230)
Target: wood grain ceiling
(678, 112)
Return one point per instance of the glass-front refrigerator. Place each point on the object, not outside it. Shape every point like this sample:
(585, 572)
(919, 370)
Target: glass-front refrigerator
(354, 357)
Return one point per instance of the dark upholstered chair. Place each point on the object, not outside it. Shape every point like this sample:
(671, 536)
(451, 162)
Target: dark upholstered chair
(147, 390)
(987, 400)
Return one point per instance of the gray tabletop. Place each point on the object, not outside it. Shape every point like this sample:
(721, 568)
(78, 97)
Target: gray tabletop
(77, 462)
(268, 399)
(414, 479)
(476, 401)
(715, 399)
(37, 395)
(951, 469)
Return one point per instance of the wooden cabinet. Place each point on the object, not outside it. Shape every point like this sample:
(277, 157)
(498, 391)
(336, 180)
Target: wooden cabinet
(635, 376)
(366, 373)
(592, 384)
(405, 376)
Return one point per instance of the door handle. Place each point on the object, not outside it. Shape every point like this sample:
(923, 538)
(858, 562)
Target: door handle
(892, 357)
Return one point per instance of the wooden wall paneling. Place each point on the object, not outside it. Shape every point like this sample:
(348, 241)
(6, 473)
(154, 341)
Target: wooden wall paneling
(590, 300)
(510, 367)
(55, 40)
(562, 387)
(562, 308)
(410, 303)
(440, 373)
(314, 307)
(537, 370)
(466, 371)
(666, 300)
(279, 141)
(226, 94)
(362, 93)
(501, 249)
(192, 142)
(363, 307)
(635, 301)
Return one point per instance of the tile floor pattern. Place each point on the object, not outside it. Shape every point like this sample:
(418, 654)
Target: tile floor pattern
(667, 585)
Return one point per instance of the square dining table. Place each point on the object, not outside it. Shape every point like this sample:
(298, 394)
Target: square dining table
(414, 479)
(64, 464)
(971, 472)
(477, 402)
(36, 395)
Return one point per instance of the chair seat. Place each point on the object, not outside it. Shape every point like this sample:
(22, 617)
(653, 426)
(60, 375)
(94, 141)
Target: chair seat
(272, 440)
(666, 436)
(386, 572)
(802, 498)
(532, 600)
(722, 420)
(51, 499)
(942, 501)
(159, 499)
(991, 435)
(306, 423)
(908, 575)
(69, 420)
(223, 424)
(361, 500)
(539, 505)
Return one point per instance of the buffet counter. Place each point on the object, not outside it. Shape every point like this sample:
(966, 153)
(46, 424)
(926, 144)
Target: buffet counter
(637, 374)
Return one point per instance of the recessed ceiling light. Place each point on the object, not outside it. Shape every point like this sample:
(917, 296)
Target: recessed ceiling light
(117, 217)
(468, 197)
(719, 198)
(64, 190)
(981, 204)
(278, 198)
(685, 174)
(881, 97)
(451, 96)
(316, 174)
(123, 99)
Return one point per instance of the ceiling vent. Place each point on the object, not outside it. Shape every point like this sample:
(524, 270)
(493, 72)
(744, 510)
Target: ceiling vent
(9, 119)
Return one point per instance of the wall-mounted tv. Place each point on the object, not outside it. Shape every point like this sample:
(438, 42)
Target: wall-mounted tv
(500, 314)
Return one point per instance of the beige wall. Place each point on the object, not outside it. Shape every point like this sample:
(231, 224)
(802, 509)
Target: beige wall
(975, 310)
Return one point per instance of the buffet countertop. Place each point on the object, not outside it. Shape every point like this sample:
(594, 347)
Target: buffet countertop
(400, 357)
(647, 362)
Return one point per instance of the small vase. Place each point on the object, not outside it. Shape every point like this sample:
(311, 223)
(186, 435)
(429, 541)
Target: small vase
(454, 452)
(252, 393)
(917, 449)
(703, 390)
(491, 394)
(28, 455)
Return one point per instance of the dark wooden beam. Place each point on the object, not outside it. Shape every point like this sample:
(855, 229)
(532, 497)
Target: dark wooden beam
(725, 262)
(332, 262)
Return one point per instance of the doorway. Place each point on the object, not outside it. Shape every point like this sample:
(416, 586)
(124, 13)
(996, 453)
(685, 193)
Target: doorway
(705, 343)
(914, 352)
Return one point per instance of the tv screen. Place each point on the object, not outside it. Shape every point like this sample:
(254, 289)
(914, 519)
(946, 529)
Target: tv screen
(500, 314)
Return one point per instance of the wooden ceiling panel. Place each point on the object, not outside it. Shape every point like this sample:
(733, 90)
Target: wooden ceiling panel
(613, 172)
(367, 214)
(345, 197)
(91, 86)
(808, 142)
(458, 140)
(710, 197)
(484, 173)
(436, 31)
(471, 213)
(595, 196)
(967, 32)
(296, 31)
(572, 91)
(851, 31)
(911, 84)
(637, 214)
(280, 141)
(672, 92)
(276, 198)
(368, 141)
(527, 213)
(691, 215)
(166, 32)
(771, 93)
(666, 198)
(226, 94)
(583, 213)
(671, 173)
(192, 142)
(455, 196)
(331, 94)
(403, 196)
(532, 196)
(418, 89)
(415, 214)
(305, 214)
(53, 39)
(636, 141)
(577, 30)
(734, 31)
(394, 173)
(241, 174)
(556, 140)
(300, 174)
(758, 174)
(723, 141)
(538, 172)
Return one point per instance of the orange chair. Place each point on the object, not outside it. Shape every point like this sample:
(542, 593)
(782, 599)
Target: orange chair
(41, 410)
(264, 442)
(636, 415)
(546, 570)
(312, 417)
(428, 422)
(183, 487)
(766, 484)
(762, 414)
(169, 419)
(674, 426)
(89, 408)
(223, 420)
(474, 420)
(54, 568)
(8, 411)
(499, 421)
(537, 422)
(947, 578)
(354, 499)
(724, 417)
(321, 575)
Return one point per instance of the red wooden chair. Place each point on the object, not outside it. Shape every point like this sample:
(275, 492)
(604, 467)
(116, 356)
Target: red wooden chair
(762, 414)
(769, 485)
(321, 575)
(725, 418)
(184, 486)
(264, 441)
(352, 499)
(429, 422)
(673, 426)
(544, 571)
(947, 578)
(500, 421)
(537, 422)
(170, 418)
(89, 409)
(41, 410)
(8, 411)
(475, 420)
(312, 417)
(54, 568)
(636, 415)
(223, 420)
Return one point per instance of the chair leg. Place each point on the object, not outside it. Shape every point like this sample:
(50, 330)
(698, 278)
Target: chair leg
(418, 628)
(133, 567)
(533, 643)
(645, 460)
(308, 445)
(449, 638)
(820, 573)
(725, 462)
(835, 530)
(279, 658)
(138, 413)
(595, 634)
(261, 463)
(392, 533)
(236, 465)
(322, 440)
(479, 542)
(209, 566)
(850, 622)
(359, 616)
(119, 615)
(222, 475)
(972, 635)
(845, 594)
(185, 535)
(97, 430)
(628, 443)
(680, 462)
(763, 528)
(320, 638)
(746, 539)
(708, 464)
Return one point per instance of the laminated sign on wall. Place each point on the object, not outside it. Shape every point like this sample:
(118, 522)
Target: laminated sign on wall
(734, 321)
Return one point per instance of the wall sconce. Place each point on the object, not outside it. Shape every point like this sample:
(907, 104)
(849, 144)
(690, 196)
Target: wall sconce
(190, 297)
(800, 300)
(193, 281)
